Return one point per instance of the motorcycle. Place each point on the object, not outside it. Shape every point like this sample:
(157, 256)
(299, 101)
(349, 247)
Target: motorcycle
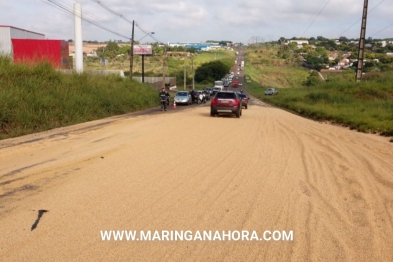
(198, 97)
(194, 97)
(202, 98)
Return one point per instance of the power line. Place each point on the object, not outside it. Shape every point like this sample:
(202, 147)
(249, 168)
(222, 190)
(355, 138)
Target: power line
(137, 25)
(316, 17)
(361, 19)
(382, 30)
(120, 15)
(110, 10)
(90, 16)
(60, 6)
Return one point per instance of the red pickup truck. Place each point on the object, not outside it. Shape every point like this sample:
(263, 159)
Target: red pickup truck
(235, 83)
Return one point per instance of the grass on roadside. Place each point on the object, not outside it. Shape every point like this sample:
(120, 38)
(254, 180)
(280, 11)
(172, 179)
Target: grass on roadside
(365, 106)
(35, 98)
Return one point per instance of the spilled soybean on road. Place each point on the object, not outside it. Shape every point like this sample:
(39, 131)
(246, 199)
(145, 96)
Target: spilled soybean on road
(310, 191)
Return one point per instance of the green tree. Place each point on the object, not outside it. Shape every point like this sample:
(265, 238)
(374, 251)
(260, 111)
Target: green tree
(111, 50)
(321, 51)
(315, 61)
(343, 39)
(125, 49)
(313, 80)
(307, 48)
(211, 70)
(293, 46)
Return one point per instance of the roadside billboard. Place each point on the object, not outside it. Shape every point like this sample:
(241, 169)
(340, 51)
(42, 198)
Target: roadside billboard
(143, 50)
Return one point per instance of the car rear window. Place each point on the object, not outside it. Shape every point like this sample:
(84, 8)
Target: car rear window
(226, 95)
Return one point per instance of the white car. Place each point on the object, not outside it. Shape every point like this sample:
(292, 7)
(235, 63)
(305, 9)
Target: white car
(271, 91)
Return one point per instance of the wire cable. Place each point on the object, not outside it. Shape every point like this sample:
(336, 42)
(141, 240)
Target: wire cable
(62, 7)
(147, 33)
(316, 17)
(123, 17)
(382, 30)
(110, 10)
(360, 19)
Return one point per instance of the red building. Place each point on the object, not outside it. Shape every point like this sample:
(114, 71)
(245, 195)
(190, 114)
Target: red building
(35, 50)
(26, 47)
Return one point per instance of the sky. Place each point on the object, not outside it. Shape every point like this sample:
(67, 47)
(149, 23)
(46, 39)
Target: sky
(245, 21)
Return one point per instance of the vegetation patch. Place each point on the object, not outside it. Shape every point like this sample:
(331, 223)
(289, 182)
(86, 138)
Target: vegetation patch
(335, 104)
(36, 98)
(366, 106)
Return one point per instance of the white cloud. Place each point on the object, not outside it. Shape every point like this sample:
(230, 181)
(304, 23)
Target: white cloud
(200, 20)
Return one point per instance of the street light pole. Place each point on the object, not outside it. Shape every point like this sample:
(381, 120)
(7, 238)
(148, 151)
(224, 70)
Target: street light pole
(193, 74)
(103, 58)
(163, 67)
(184, 73)
(132, 50)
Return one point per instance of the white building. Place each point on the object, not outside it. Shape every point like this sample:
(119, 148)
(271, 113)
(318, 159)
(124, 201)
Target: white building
(300, 43)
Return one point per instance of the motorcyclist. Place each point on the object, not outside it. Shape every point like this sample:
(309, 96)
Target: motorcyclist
(163, 95)
(241, 91)
(194, 96)
(168, 98)
(204, 97)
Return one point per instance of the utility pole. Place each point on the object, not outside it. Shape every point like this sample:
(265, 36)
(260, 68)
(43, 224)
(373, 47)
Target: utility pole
(103, 57)
(132, 50)
(359, 70)
(184, 73)
(163, 67)
(193, 74)
(78, 37)
(143, 68)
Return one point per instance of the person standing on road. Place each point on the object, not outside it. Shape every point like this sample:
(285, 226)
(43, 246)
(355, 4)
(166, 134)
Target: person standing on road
(163, 99)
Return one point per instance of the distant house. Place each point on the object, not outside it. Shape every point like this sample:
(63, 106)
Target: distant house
(344, 62)
(197, 46)
(383, 43)
(331, 70)
(299, 43)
